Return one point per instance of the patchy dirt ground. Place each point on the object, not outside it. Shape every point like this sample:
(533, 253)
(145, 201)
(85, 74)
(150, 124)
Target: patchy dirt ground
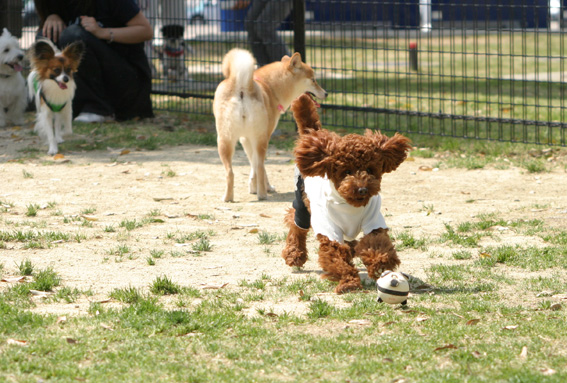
(186, 181)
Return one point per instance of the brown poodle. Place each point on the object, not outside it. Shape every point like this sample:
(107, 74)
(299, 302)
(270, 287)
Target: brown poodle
(342, 177)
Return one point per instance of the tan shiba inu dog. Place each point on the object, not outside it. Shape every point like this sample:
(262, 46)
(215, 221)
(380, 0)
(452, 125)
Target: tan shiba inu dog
(248, 105)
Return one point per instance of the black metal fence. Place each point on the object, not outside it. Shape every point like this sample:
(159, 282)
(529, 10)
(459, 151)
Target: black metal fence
(479, 69)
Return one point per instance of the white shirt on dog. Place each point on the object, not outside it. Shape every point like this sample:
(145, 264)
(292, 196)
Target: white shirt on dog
(333, 217)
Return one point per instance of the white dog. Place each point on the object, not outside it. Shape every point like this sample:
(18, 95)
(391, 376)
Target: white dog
(13, 100)
(52, 85)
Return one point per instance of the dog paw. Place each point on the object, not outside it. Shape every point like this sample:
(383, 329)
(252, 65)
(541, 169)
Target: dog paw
(228, 197)
(346, 287)
(294, 257)
(331, 277)
(53, 150)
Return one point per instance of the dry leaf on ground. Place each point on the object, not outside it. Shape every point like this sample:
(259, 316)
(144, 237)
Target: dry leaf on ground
(17, 342)
(446, 347)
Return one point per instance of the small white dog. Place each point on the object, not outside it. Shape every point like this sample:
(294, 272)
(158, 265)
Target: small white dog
(13, 100)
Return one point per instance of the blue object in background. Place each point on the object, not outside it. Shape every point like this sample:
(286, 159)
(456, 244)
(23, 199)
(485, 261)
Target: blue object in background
(232, 20)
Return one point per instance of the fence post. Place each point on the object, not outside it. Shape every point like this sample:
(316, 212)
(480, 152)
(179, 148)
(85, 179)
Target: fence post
(299, 27)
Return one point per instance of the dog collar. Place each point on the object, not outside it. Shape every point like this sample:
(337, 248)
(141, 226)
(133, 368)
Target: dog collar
(36, 87)
(171, 52)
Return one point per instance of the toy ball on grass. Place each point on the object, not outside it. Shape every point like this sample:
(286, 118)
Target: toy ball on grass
(393, 287)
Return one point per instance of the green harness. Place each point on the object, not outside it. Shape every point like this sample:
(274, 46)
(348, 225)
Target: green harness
(37, 87)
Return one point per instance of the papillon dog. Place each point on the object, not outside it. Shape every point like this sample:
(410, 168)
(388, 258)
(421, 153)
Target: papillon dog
(13, 100)
(51, 85)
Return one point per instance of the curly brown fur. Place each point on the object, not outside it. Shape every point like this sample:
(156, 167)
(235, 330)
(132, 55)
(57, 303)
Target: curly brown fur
(355, 165)
(377, 252)
(336, 260)
(305, 113)
(295, 250)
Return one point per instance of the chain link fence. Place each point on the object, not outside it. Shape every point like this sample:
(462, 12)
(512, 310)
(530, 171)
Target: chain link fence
(478, 69)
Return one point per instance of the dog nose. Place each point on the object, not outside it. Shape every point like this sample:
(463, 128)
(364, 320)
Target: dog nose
(65, 79)
(362, 191)
(20, 57)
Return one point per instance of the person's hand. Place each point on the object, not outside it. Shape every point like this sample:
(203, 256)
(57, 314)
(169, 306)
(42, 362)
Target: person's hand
(91, 25)
(53, 27)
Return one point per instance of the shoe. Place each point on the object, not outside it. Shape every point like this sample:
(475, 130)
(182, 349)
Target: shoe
(92, 117)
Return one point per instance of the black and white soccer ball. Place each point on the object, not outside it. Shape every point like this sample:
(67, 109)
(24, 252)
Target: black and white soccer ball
(393, 287)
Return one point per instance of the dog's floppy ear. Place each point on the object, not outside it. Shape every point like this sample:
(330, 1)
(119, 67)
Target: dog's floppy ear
(305, 114)
(313, 153)
(392, 151)
(74, 51)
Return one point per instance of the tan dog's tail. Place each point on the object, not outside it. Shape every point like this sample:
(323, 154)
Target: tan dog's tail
(238, 65)
(305, 113)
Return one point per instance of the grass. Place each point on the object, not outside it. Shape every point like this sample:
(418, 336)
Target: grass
(461, 329)
(35, 239)
(406, 240)
(477, 338)
(26, 267)
(45, 280)
(164, 286)
(127, 295)
(202, 244)
(119, 250)
(32, 210)
(456, 238)
(526, 257)
(131, 224)
(198, 235)
(465, 326)
(266, 238)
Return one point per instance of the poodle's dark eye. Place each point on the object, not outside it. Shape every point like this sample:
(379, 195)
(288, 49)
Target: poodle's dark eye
(57, 71)
(348, 172)
(369, 170)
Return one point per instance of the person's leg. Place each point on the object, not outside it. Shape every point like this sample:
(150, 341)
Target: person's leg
(90, 96)
(265, 27)
(254, 39)
(106, 82)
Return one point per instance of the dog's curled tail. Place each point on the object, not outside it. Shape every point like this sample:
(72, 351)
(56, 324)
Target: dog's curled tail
(305, 113)
(239, 64)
